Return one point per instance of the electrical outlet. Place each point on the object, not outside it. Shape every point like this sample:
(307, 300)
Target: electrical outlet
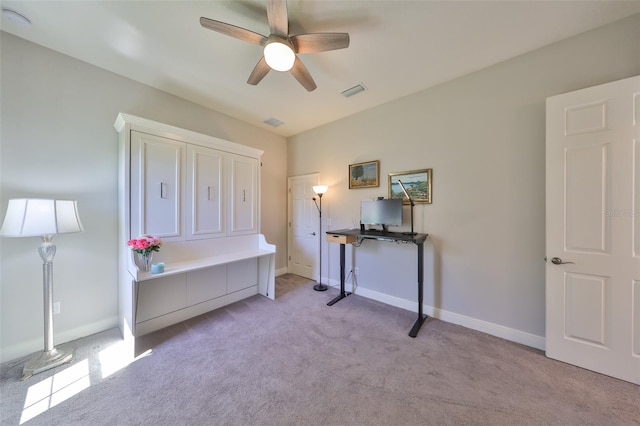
(56, 308)
(356, 271)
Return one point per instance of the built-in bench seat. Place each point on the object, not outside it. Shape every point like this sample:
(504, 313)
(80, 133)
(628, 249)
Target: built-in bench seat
(199, 276)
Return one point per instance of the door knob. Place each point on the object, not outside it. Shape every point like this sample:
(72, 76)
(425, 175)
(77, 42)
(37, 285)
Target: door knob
(558, 261)
(313, 233)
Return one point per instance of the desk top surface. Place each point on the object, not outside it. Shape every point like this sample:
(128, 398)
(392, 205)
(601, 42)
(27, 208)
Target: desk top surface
(381, 235)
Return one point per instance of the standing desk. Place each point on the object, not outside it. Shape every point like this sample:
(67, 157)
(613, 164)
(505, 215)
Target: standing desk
(349, 236)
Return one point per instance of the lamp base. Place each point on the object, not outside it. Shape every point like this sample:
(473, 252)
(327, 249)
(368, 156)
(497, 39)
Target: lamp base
(320, 287)
(45, 361)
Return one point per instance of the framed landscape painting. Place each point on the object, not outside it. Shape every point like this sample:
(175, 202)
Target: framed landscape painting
(364, 175)
(416, 182)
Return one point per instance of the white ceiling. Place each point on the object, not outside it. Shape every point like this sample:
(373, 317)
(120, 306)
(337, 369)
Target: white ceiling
(397, 47)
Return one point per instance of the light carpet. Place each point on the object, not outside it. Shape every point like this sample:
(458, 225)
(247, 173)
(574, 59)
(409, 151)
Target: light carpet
(296, 361)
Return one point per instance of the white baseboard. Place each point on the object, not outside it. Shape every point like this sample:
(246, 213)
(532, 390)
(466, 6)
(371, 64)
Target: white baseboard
(281, 271)
(35, 345)
(497, 330)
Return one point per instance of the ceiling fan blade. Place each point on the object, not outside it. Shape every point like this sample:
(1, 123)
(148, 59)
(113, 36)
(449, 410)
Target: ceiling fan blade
(259, 72)
(301, 74)
(233, 31)
(278, 19)
(320, 42)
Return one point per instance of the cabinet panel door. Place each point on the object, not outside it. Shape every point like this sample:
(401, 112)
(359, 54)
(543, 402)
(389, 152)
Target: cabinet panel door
(157, 185)
(242, 274)
(206, 284)
(244, 195)
(161, 296)
(205, 207)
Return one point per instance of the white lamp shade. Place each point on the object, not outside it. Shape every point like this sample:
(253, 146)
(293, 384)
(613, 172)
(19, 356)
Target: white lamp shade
(320, 189)
(279, 56)
(35, 218)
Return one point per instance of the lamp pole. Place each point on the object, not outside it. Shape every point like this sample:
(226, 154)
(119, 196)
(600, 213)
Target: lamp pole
(51, 356)
(320, 190)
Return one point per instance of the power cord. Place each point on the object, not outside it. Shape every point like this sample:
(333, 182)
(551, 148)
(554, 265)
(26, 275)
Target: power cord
(354, 281)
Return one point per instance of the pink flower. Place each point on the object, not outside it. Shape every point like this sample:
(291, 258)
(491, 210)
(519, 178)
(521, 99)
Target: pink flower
(145, 244)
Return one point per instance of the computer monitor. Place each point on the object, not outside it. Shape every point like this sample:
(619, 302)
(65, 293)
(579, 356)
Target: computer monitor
(381, 212)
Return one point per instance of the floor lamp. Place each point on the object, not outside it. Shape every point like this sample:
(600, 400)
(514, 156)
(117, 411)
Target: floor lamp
(320, 190)
(43, 218)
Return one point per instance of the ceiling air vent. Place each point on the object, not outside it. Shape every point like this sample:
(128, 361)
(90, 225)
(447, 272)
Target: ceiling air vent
(274, 122)
(354, 90)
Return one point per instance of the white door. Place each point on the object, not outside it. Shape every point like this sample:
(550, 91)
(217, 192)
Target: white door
(244, 195)
(304, 223)
(593, 226)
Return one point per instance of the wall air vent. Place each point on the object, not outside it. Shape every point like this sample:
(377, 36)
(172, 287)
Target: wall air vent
(354, 90)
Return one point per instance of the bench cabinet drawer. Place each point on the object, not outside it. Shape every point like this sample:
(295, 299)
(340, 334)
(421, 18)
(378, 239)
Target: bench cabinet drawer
(206, 284)
(161, 296)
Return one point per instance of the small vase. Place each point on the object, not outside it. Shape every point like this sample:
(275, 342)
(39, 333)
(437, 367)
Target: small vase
(144, 261)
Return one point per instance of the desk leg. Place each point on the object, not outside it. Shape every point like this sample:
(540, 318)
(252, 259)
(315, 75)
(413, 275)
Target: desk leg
(421, 317)
(343, 293)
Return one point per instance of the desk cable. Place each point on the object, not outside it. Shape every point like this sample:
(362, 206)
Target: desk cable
(354, 280)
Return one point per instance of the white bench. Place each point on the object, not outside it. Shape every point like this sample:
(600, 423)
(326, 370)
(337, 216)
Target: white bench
(199, 276)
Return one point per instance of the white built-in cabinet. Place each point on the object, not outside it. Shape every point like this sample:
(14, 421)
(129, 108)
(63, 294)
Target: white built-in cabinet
(206, 212)
(244, 195)
(157, 186)
(186, 192)
(201, 196)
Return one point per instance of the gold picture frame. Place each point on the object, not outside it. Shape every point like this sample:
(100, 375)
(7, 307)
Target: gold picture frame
(364, 175)
(417, 183)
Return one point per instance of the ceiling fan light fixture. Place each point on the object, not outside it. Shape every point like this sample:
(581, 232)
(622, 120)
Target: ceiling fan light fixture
(281, 48)
(279, 56)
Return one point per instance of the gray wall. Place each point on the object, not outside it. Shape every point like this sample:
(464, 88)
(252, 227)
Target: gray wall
(484, 137)
(58, 141)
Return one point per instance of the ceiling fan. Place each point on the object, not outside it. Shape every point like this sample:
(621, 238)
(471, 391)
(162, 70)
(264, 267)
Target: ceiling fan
(281, 49)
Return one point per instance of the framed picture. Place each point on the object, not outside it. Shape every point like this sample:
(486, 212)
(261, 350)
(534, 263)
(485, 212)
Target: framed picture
(364, 175)
(416, 182)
